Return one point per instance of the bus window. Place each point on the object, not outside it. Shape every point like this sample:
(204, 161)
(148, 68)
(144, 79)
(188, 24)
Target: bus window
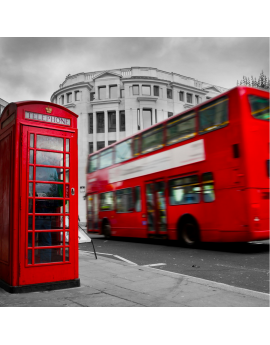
(152, 140)
(184, 190)
(259, 107)
(214, 115)
(182, 128)
(123, 151)
(208, 187)
(105, 158)
(106, 201)
(136, 146)
(137, 199)
(93, 164)
(124, 200)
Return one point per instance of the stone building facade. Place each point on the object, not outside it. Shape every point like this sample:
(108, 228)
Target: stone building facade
(115, 104)
(2, 105)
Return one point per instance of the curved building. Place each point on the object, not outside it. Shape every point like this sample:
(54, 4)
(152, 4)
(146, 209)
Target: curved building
(117, 103)
(2, 105)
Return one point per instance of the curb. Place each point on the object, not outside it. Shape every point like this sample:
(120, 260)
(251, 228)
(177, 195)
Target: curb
(230, 288)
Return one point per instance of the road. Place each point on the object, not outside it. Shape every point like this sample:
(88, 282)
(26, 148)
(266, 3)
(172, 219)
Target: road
(236, 264)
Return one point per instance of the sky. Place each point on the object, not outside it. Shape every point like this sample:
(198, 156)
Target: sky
(33, 67)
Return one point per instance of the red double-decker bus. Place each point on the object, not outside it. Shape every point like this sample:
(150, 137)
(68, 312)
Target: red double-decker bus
(202, 175)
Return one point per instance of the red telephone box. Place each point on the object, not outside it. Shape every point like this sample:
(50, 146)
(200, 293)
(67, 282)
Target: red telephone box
(38, 197)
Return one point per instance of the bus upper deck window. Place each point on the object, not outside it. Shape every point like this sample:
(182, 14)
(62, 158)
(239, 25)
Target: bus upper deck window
(93, 160)
(214, 115)
(152, 140)
(136, 146)
(259, 107)
(182, 128)
(105, 158)
(123, 151)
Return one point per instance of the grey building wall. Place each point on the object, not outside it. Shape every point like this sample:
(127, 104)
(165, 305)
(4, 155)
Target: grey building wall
(160, 95)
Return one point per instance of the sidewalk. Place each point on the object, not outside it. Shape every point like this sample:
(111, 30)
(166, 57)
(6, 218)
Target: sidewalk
(109, 283)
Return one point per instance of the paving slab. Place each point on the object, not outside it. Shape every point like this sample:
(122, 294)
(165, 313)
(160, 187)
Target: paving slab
(106, 282)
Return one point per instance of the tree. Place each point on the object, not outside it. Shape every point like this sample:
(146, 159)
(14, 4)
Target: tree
(262, 83)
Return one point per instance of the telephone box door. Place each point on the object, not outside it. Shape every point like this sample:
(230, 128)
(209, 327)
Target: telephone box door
(48, 216)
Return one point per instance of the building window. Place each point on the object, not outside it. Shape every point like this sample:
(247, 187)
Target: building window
(147, 118)
(146, 90)
(62, 99)
(189, 98)
(113, 91)
(156, 90)
(170, 114)
(91, 148)
(102, 92)
(197, 99)
(77, 95)
(111, 121)
(100, 122)
(100, 145)
(110, 142)
(169, 93)
(90, 117)
(69, 97)
(122, 121)
(122, 93)
(135, 89)
(181, 96)
(92, 96)
(138, 119)
(156, 115)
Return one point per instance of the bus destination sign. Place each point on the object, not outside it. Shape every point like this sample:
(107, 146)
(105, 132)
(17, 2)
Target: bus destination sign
(47, 118)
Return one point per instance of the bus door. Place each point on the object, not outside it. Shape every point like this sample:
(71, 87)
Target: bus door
(92, 212)
(156, 208)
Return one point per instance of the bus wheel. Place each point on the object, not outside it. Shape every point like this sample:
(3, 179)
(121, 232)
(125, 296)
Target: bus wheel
(106, 230)
(189, 234)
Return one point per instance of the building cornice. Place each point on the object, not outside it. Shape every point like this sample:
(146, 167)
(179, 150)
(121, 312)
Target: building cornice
(69, 105)
(187, 106)
(104, 73)
(71, 87)
(146, 79)
(105, 101)
(189, 88)
(147, 98)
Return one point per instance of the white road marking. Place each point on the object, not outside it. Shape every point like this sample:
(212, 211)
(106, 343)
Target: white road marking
(120, 257)
(152, 265)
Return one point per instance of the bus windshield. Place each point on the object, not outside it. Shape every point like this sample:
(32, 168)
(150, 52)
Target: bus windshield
(259, 107)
